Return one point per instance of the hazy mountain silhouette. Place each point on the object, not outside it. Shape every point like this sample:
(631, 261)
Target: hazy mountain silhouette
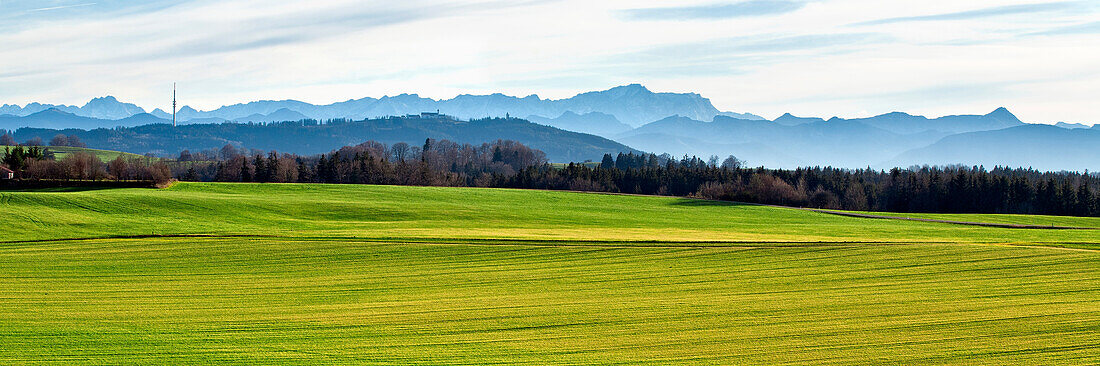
(836, 142)
(57, 119)
(790, 120)
(756, 154)
(1072, 125)
(161, 114)
(595, 123)
(107, 108)
(141, 119)
(276, 116)
(633, 105)
(669, 122)
(904, 123)
(1043, 147)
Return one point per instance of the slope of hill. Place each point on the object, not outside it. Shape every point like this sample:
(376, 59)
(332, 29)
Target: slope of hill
(304, 274)
(294, 137)
(1042, 147)
(60, 152)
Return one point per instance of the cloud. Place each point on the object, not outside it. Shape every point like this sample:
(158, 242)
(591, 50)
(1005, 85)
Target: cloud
(278, 27)
(766, 57)
(1086, 28)
(761, 45)
(980, 13)
(28, 14)
(732, 55)
(61, 7)
(716, 11)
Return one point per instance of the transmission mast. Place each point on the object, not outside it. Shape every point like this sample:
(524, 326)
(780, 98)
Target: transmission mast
(173, 105)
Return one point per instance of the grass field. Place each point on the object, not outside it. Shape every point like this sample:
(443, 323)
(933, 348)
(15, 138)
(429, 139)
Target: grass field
(408, 275)
(1039, 220)
(60, 152)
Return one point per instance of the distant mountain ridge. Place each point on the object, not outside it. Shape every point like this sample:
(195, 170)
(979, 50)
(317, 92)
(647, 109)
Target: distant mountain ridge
(675, 123)
(842, 143)
(905, 123)
(888, 140)
(632, 104)
(1072, 125)
(108, 108)
(1043, 147)
(596, 123)
(59, 119)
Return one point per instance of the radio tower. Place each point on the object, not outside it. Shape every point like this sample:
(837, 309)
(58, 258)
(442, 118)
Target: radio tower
(173, 105)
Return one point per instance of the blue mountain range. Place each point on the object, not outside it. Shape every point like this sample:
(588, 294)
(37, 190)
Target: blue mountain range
(674, 123)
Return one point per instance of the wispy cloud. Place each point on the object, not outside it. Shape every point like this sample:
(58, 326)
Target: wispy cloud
(763, 56)
(737, 55)
(1086, 28)
(980, 13)
(60, 7)
(23, 15)
(716, 11)
(765, 45)
(289, 28)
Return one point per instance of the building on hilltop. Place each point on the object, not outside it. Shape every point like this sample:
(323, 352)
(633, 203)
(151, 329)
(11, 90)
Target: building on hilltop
(429, 115)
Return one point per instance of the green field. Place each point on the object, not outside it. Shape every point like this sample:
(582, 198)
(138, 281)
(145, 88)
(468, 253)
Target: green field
(60, 152)
(1038, 220)
(410, 275)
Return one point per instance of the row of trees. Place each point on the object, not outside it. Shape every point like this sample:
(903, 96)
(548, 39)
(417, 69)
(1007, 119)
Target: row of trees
(70, 140)
(35, 163)
(437, 163)
(58, 140)
(509, 164)
(955, 189)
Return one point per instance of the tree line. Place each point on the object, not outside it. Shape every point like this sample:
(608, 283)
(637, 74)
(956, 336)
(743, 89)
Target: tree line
(509, 164)
(35, 163)
(435, 163)
(952, 189)
(6, 139)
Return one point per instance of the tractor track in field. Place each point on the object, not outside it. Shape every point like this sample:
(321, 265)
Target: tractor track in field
(971, 223)
(559, 243)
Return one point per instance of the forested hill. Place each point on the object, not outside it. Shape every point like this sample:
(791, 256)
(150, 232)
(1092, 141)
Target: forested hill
(310, 137)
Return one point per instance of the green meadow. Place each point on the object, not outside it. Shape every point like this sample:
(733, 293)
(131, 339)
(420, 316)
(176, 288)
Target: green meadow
(1037, 220)
(267, 273)
(60, 152)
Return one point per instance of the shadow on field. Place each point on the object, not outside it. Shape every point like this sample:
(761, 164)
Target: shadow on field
(52, 185)
(706, 203)
(58, 189)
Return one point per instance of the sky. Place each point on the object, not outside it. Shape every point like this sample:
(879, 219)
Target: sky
(847, 58)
